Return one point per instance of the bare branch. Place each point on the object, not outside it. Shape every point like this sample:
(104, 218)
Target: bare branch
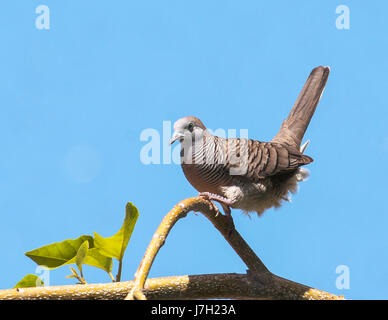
(206, 286)
(270, 283)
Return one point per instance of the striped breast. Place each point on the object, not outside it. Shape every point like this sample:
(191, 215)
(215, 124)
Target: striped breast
(206, 170)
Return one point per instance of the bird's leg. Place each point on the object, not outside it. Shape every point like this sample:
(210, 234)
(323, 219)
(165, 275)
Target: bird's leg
(225, 203)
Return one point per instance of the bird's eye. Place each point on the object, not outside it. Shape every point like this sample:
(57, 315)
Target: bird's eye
(190, 127)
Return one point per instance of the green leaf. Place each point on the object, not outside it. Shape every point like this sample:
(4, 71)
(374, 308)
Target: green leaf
(81, 255)
(62, 253)
(30, 280)
(96, 259)
(115, 246)
(59, 253)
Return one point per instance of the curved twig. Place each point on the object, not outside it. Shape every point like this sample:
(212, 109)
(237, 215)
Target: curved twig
(259, 276)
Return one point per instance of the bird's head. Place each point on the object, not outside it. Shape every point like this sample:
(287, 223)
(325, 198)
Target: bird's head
(188, 129)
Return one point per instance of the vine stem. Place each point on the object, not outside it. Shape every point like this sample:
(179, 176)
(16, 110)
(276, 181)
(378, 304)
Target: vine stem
(118, 276)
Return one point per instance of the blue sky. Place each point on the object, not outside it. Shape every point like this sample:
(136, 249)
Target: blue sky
(75, 99)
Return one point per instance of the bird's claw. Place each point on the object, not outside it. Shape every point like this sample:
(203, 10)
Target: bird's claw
(213, 206)
(225, 207)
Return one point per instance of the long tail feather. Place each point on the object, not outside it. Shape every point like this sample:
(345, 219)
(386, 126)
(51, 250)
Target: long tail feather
(294, 127)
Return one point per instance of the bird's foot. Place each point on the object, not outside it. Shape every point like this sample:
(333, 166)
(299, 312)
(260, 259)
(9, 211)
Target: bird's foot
(216, 197)
(206, 196)
(225, 203)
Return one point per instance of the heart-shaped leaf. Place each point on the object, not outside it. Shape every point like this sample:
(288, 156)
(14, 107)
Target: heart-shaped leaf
(115, 246)
(66, 252)
(96, 259)
(59, 253)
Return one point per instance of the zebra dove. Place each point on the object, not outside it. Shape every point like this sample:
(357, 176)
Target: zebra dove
(247, 174)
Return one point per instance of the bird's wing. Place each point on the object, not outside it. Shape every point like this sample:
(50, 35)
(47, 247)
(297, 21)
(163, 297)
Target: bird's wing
(256, 160)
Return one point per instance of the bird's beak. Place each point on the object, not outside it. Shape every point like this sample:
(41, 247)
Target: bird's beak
(176, 136)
